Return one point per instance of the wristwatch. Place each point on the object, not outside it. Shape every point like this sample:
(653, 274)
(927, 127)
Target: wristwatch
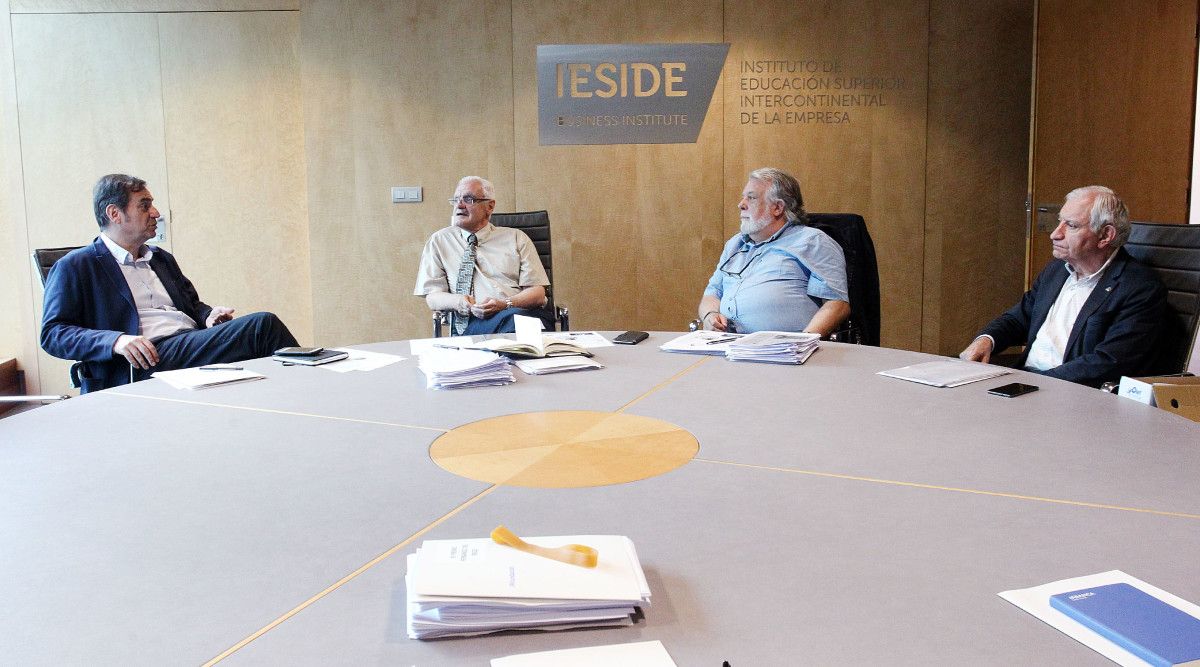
(508, 303)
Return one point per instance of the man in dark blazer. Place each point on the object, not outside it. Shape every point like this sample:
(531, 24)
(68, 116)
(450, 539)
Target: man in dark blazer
(1092, 317)
(123, 308)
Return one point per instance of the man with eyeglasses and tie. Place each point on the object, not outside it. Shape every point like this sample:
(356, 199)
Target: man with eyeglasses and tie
(777, 274)
(482, 273)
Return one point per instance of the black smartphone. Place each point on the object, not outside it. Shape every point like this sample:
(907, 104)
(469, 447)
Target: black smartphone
(631, 338)
(1013, 390)
(299, 351)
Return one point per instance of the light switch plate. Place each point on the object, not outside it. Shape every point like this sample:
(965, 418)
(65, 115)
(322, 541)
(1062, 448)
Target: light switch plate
(406, 194)
(161, 232)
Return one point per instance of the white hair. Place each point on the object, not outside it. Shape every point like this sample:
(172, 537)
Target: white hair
(488, 190)
(1107, 209)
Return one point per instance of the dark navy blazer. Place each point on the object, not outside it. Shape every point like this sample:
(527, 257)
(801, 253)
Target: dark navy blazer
(1116, 331)
(88, 305)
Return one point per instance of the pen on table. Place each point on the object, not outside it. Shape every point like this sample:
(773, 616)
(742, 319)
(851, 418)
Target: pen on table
(221, 368)
(720, 340)
(447, 347)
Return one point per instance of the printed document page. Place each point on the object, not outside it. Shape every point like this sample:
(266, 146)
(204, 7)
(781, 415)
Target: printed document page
(639, 654)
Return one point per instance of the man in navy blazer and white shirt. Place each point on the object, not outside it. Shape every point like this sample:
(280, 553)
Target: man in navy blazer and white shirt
(1093, 317)
(119, 303)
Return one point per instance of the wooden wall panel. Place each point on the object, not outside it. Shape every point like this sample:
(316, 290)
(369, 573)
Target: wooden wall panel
(874, 164)
(1115, 105)
(637, 228)
(235, 158)
(979, 85)
(413, 93)
(17, 336)
(89, 104)
(402, 94)
(112, 6)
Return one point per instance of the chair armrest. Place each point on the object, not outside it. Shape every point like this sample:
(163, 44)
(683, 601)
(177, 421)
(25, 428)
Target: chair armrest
(694, 325)
(563, 315)
(440, 318)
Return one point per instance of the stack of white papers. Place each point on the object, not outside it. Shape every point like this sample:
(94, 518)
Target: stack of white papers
(947, 373)
(476, 586)
(701, 342)
(454, 369)
(556, 365)
(774, 347)
(208, 376)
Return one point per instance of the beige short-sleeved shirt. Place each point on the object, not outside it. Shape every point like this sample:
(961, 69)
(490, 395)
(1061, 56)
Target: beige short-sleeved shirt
(506, 262)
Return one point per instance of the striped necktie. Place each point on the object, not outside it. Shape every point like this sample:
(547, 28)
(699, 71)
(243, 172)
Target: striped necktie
(466, 275)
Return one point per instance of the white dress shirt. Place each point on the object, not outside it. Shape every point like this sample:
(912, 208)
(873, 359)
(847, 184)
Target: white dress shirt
(506, 262)
(157, 315)
(1051, 343)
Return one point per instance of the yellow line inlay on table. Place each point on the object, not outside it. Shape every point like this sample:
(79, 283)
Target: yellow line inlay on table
(337, 584)
(664, 383)
(935, 487)
(281, 412)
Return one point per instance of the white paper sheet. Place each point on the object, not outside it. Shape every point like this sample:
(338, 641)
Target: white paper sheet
(584, 339)
(529, 331)
(422, 345)
(701, 342)
(478, 567)
(194, 378)
(1036, 601)
(946, 373)
(556, 365)
(636, 654)
(361, 360)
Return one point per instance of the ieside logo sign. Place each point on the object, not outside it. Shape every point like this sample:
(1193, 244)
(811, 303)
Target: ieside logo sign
(625, 93)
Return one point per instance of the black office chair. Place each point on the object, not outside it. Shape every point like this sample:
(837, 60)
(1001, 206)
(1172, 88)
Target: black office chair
(862, 275)
(1173, 252)
(536, 225)
(43, 259)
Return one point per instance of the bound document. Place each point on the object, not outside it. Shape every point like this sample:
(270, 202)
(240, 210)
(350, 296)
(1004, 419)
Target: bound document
(518, 350)
(1136, 621)
(775, 347)
(476, 586)
(530, 343)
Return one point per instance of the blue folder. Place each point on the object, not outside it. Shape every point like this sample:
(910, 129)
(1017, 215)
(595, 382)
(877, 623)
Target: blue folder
(1138, 622)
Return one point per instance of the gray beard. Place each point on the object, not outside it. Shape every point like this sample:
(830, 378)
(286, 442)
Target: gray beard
(753, 227)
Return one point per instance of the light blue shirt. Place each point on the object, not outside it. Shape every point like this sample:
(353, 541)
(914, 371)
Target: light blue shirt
(770, 286)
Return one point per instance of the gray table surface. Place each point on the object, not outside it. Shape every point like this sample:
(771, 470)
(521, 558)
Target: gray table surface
(831, 515)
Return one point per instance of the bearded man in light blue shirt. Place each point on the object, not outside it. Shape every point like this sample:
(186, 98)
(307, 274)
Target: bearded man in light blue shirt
(777, 274)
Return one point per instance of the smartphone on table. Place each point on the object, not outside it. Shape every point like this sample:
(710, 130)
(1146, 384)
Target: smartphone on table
(631, 338)
(299, 351)
(1013, 390)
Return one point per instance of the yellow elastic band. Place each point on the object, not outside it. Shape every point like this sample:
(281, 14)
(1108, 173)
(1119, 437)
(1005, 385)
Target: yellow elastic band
(571, 554)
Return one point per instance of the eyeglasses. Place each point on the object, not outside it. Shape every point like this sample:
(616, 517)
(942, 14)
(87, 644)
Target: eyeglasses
(469, 200)
(743, 257)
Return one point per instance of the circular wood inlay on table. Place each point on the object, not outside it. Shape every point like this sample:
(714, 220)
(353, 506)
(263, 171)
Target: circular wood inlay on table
(569, 448)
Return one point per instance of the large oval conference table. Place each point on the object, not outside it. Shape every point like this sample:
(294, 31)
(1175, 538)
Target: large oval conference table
(830, 515)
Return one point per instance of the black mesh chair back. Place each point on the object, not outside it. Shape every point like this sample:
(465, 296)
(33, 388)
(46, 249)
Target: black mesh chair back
(862, 274)
(1173, 252)
(536, 225)
(44, 259)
